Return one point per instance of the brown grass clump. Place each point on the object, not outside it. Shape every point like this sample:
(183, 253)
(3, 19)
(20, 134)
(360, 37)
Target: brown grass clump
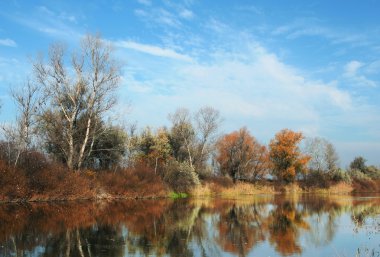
(339, 188)
(58, 183)
(365, 185)
(242, 188)
(13, 184)
(135, 183)
(215, 188)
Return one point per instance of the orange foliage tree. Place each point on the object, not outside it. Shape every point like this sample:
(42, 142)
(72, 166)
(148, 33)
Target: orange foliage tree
(286, 157)
(241, 157)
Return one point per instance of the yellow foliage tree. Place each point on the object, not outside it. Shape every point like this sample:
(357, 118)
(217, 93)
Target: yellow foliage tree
(286, 157)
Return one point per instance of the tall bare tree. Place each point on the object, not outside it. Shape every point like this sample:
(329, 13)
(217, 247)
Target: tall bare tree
(182, 134)
(192, 137)
(77, 96)
(207, 121)
(18, 136)
(323, 155)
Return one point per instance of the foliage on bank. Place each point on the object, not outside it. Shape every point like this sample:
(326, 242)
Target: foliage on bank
(62, 146)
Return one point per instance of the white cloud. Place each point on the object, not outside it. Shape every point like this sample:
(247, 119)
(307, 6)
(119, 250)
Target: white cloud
(45, 10)
(46, 21)
(217, 26)
(159, 16)
(186, 14)
(352, 67)
(250, 86)
(353, 74)
(153, 50)
(145, 2)
(302, 27)
(373, 68)
(7, 42)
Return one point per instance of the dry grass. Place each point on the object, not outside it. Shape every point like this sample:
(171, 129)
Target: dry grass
(215, 189)
(139, 182)
(339, 188)
(57, 183)
(238, 189)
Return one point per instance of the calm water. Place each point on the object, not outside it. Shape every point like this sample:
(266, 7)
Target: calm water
(261, 226)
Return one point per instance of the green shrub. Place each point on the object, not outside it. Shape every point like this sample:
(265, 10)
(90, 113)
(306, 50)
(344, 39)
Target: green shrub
(317, 178)
(357, 174)
(175, 195)
(180, 176)
(340, 175)
(373, 172)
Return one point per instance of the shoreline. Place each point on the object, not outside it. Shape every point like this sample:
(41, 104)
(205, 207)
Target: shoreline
(212, 190)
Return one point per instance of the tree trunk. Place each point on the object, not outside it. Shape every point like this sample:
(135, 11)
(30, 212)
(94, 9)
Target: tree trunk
(85, 140)
(155, 167)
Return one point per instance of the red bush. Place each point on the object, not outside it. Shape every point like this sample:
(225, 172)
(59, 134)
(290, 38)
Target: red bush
(140, 181)
(13, 183)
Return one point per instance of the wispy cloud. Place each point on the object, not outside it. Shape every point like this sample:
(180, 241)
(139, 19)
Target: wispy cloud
(352, 72)
(48, 22)
(312, 27)
(217, 26)
(171, 14)
(145, 2)
(259, 91)
(154, 50)
(352, 67)
(8, 42)
(186, 14)
(159, 16)
(250, 8)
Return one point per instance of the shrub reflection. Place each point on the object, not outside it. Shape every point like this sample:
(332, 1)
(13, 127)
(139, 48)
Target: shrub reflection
(173, 228)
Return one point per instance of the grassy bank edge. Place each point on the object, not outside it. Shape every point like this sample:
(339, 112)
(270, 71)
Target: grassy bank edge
(210, 189)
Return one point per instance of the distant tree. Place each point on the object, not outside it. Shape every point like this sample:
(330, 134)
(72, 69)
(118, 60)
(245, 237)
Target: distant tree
(76, 95)
(359, 164)
(154, 149)
(332, 158)
(240, 156)
(286, 157)
(108, 149)
(192, 137)
(19, 135)
(323, 157)
(182, 135)
(161, 149)
(207, 122)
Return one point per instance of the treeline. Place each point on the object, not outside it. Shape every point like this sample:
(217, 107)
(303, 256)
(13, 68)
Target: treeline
(62, 136)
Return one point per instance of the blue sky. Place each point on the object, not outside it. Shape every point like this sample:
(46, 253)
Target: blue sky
(311, 66)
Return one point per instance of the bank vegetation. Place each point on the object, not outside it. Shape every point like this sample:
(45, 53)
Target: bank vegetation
(63, 144)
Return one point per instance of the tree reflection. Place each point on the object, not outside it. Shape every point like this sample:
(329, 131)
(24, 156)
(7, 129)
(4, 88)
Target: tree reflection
(240, 228)
(173, 228)
(285, 221)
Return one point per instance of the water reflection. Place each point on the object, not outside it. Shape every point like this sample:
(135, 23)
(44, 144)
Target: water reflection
(272, 225)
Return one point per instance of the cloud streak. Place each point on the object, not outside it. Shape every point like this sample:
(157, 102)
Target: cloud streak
(258, 90)
(153, 50)
(7, 42)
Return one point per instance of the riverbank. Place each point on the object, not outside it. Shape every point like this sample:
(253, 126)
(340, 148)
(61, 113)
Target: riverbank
(157, 190)
(243, 188)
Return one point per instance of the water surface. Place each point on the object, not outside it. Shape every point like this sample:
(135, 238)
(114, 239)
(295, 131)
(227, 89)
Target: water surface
(251, 226)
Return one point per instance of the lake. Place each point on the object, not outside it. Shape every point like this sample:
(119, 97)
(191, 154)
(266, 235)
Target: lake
(300, 225)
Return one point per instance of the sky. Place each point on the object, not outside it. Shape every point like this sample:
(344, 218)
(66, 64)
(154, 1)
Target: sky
(310, 66)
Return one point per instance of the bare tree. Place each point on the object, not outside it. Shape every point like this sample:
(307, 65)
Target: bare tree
(19, 135)
(323, 155)
(77, 96)
(207, 121)
(182, 133)
(331, 157)
(192, 137)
